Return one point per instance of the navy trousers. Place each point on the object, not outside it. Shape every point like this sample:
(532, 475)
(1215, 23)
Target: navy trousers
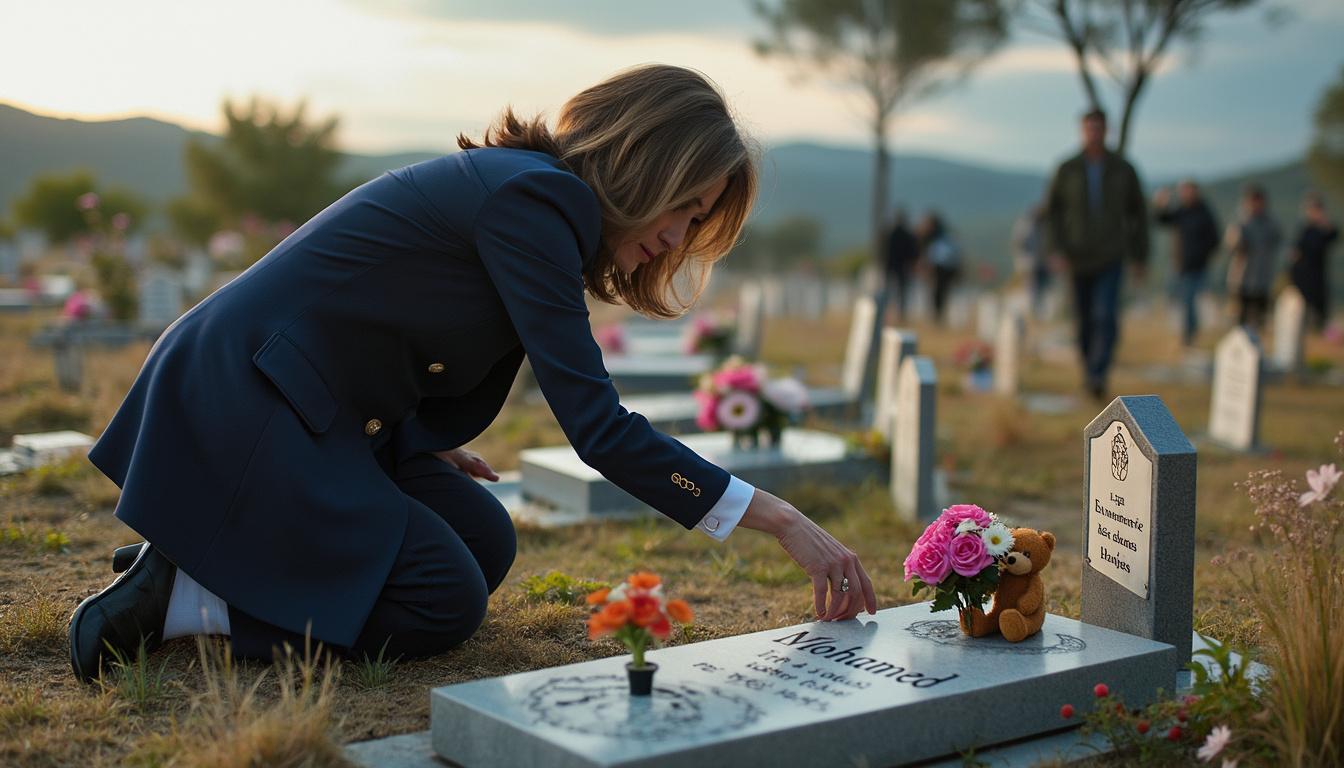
(458, 547)
(1097, 305)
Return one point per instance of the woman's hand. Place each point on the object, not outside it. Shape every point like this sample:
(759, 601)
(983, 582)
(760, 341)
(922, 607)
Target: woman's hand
(828, 562)
(469, 462)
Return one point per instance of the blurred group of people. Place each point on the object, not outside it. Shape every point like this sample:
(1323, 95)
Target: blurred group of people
(929, 250)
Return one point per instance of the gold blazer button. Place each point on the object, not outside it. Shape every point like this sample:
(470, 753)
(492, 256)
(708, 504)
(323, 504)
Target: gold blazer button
(436, 367)
(372, 427)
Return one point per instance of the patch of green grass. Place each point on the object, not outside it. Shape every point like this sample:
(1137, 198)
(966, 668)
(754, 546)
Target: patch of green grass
(15, 536)
(368, 674)
(135, 680)
(34, 624)
(559, 587)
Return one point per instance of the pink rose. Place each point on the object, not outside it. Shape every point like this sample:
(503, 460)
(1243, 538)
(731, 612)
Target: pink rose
(743, 377)
(968, 555)
(955, 514)
(936, 532)
(930, 563)
(705, 418)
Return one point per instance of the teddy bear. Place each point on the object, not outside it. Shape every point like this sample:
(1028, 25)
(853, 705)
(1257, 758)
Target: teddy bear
(1018, 610)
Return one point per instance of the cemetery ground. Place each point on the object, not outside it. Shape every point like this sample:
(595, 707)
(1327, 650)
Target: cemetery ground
(183, 706)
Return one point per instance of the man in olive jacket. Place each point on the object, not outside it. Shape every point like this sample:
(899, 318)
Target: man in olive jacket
(1097, 217)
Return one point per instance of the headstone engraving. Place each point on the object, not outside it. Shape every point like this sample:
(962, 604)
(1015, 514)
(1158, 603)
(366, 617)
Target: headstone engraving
(806, 695)
(857, 348)
(897, 345)
(1139, 534)
(912, 444)
(1290, 324)
(1234, 409)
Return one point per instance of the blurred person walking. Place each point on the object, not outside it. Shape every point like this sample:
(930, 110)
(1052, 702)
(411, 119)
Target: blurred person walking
(1097, 217)
(899, 263)
(1309, 261)
(943, 257)
(1030, 254)
(1254, 241)
(1197, 238)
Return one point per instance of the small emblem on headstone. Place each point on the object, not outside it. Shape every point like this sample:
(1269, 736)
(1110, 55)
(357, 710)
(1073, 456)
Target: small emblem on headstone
(601, 705)
(945, 632)
(1119, 456)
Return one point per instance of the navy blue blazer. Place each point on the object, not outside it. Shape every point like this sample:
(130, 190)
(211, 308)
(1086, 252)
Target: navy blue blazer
(256, 445)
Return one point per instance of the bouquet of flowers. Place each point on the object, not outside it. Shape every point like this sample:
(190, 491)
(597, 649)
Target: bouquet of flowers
(637, 613)
(611, 338)
(710, 333)
(739, 398)
(958, 557)
(974, 354)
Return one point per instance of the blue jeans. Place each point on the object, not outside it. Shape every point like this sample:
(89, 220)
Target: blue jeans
(1188, 288)
(1096, 302)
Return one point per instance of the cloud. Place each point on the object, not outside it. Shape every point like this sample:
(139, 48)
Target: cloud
(599, 17)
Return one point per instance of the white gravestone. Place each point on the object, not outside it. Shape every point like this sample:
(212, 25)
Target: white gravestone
(1139, 534)
(1234, 409)
(160, 299)
(750, 321)
(1290, 324)
(896, 346)
(774, 299)
(900, 687)
(912, 444)
(1008, 352)
(856, 349)
(986, 316)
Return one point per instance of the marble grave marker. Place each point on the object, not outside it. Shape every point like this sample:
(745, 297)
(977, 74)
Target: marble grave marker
(1234, 409)
(857, 348)
(1008, 352)
(1139, 525)
(912, 443)
(1290, 324)
(750, 321)
(161, 296)
(897, 345)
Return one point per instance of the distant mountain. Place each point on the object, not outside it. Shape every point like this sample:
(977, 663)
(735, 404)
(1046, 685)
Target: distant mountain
(829, 183)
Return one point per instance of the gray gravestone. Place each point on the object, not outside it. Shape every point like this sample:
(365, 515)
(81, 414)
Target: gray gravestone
(160, 299)
(900, 687)
(912, 444)
(1139, 534)
(750, 321)
(857, 347)
(1290, 324)
(556, 476)
(1008, 352)
(1234, 408)
(656, 373)
(896, 346)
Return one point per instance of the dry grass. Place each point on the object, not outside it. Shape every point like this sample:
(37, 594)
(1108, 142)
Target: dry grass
(744, 585)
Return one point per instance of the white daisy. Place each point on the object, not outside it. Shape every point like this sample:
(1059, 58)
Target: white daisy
(998, 539)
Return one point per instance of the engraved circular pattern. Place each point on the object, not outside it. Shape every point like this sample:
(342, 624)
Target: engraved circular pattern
(601, 705)
(945, 632)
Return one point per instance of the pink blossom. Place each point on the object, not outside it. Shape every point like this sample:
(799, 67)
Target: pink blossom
(738, 410)
(968, 555)
(955, 514)
(1322, 482)
(87, 201)
(936, 531)
(704, 415)
(121, 221)
(1217, 740)
(744, 377)
(929, 563)
(611, 338)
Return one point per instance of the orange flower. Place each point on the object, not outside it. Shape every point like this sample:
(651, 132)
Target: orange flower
(660, 628)
(680, 610)
(614, 615)
(644, 610)
(596, 627)
(600, 596)
(644, 580)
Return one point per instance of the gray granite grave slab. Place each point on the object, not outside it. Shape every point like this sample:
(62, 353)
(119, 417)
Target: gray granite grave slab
(654, 373)
(896, 688)
(912, 444)
(558, 477)
(161, 297)
(675, 412)
(1238, 375)
(1139, 524)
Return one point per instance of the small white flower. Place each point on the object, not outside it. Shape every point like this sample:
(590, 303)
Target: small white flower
(998, 539)
(1322, 482)
(966, 526)
(1218, 738)
(618, 593)
(738, 410)
(788, 395)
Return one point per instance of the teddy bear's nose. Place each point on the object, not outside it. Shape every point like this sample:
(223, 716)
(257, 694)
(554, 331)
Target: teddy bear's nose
(1012, 559)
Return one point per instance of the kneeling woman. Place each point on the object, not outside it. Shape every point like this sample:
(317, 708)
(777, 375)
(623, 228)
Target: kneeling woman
(291, 449)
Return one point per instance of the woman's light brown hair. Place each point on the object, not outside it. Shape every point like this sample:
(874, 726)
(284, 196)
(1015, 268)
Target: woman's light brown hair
(646, 141)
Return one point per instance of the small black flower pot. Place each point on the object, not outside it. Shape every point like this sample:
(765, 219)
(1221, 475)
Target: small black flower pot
(641, 678)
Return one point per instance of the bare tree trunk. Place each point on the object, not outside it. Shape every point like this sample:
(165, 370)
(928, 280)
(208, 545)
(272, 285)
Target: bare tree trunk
(1078, 43)
(1132, 94)
(881, 178)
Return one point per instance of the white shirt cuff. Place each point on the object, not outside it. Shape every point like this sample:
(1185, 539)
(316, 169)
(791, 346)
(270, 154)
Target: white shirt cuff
(728, 511)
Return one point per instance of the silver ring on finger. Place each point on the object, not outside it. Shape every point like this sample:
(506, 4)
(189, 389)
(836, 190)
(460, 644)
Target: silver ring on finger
(844, 584)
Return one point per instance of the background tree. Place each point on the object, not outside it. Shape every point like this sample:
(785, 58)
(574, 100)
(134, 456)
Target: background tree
(66, 205)
(786, 244)
(894, 52)
(1128, 39)
(1325, 158)
(270, 164)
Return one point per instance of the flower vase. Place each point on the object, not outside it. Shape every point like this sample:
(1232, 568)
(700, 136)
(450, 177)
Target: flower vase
(776, 433)
(641, 678)
(746, 439)
(964, 620)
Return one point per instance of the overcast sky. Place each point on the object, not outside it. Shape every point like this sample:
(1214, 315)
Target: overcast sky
(410, 74)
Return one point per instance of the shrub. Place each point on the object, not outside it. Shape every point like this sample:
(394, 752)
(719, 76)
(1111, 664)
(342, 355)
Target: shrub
(557, 587)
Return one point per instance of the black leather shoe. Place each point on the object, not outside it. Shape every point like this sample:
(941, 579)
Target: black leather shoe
(122, 557)
(130, 608)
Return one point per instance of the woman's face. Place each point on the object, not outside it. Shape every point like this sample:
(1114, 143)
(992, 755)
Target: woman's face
(667, 232)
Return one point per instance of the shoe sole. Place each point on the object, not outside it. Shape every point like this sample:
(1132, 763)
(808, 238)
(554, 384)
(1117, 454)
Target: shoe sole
(89, 602)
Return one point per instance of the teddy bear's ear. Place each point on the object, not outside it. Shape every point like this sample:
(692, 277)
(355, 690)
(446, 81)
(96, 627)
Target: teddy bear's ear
(1049, 539)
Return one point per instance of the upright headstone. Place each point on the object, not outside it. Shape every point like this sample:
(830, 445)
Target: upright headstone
(856, 349)
(1290, 324)
(912, 445)
(774, 297)
(986, 316)
(1139, 555)
(9, 261)
(1234, 409)
(750, 321)
(160, 299)
(67, 350)
(1008, 352)
(897, 345)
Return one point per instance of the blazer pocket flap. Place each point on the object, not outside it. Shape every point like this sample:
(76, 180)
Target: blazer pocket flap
(296, 378)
